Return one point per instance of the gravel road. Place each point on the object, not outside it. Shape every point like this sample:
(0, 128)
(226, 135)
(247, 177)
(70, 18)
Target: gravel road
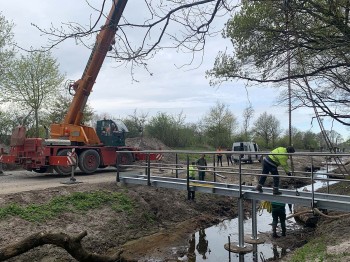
(20, 180)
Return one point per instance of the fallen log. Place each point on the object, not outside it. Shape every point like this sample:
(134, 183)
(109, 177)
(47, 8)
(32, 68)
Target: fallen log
(72, 244)
(305, 216)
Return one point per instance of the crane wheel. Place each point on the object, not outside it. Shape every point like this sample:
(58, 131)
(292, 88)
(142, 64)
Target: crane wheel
(89, 161)
(124, 158)
(63, 170)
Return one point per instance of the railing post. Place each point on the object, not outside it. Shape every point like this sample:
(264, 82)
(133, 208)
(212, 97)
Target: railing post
(327, 178)
(118, 171)
(214, 173)
(240, 176)
(188, 178)
(148, 170)
(312, 184)
(176, 166)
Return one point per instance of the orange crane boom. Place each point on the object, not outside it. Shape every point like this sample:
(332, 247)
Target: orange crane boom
(71, 128)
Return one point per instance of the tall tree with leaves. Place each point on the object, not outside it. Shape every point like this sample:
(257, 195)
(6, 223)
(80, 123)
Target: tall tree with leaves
(59, 108)
(6, 46)
(171, 130)
(219, 124)
(32, 82)
(266, 130)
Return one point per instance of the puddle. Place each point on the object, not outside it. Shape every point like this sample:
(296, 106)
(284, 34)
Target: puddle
(207, 245)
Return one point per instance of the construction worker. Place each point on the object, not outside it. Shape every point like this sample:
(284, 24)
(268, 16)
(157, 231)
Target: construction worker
(278, 212)
(219, 156)
(229, 157)
(270, 165)
(201, 166)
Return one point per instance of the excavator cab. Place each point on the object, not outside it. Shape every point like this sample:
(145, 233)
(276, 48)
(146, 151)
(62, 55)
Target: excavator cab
(111, 133)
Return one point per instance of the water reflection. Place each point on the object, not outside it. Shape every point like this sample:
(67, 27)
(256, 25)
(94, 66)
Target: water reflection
(202, 246)
(277, 254)
(207, 245)
(192, 249)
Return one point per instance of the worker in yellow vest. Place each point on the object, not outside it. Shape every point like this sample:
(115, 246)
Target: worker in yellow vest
(276, 158)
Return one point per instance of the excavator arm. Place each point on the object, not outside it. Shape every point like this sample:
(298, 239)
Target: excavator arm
(71, 128)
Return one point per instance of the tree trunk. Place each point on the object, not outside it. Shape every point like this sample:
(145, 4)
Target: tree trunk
(72, 244)
(36, 122)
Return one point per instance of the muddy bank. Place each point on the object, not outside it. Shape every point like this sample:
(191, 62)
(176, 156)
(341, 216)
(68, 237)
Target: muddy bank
(159, 219)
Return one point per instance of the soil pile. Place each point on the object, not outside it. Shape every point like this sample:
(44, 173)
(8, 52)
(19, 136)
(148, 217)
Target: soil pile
(150, 143)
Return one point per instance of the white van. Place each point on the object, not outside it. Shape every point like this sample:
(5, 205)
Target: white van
(246, 147)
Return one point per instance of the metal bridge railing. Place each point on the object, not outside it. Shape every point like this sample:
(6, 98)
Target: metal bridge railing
(240, 175)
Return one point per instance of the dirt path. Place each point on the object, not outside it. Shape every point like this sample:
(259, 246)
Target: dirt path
(21, 180)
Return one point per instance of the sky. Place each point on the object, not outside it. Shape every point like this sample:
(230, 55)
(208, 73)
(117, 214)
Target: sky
(169, 89)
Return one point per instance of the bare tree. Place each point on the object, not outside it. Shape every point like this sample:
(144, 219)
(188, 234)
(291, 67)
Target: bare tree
(183, 25)
(248, 114)
(136, 124)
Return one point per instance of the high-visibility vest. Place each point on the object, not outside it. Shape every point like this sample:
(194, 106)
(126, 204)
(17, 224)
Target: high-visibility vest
(280, 160)
(192, 171)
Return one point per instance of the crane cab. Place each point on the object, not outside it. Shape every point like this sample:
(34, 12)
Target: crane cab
(111, 133)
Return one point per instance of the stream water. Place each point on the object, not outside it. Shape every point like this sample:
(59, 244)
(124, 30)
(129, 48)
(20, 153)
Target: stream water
(207, 245)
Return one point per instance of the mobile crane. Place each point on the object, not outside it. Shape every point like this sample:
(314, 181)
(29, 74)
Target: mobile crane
(95, 148)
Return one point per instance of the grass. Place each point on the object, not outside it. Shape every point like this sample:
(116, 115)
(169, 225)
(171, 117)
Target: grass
(76, 202)
(316, 250)
(150, 218)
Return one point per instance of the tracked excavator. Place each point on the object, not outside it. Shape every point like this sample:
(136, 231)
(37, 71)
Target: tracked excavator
(95, 147)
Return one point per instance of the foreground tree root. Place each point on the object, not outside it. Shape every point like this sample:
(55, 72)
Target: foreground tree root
(72, 244)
